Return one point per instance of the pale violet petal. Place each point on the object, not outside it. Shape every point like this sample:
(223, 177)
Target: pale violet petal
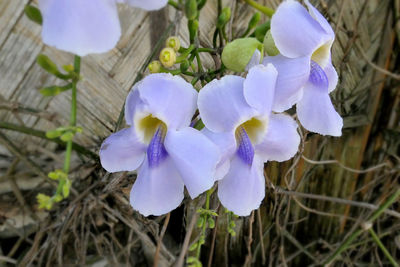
(195, 158)
(259, 87)
(226, 143)
(148, 4)
(222, 104)
(157, 190)
(295, 32)
(133, 104)
(292, 75)
(80, 27)
(169, 98)
(332, 76)
(281, 141)
(322, 21)
(315, 110)
(122, 151)
(243, 188)
(255, 60)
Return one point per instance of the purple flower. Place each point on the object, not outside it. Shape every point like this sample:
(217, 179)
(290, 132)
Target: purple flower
(306, 74)
(85, 26)
(237, 115)
(159, 143)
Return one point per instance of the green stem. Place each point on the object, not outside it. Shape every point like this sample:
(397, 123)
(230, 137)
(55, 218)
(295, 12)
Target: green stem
(354, 235)
(263, 9)
(41, 134)
(207, 50)
(72, 118)
(382, 247)
(203, 229)
(174, 4)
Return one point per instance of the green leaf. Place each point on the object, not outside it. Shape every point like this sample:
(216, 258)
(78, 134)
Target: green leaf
(211, 223)
(65, 188)
(48, 65)
(54, 133)
(33, 13)
(193, 246)
(55, 90)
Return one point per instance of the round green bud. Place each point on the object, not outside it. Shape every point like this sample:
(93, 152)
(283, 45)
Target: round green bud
(154, 66)
(224, 17)
(173, 42)
(168, 57)
(269, 45)
(238, 53)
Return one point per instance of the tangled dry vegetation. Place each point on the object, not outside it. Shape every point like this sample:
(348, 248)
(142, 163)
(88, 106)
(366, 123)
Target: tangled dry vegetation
(325, 195)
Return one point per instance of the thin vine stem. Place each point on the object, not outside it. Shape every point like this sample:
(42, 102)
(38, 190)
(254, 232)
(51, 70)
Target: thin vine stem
(382, 247)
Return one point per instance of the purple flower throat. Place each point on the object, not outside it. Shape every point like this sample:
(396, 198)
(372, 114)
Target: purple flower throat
(156, 152)
(246, 149)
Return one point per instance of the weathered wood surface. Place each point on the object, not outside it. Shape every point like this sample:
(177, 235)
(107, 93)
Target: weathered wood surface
(363, 29)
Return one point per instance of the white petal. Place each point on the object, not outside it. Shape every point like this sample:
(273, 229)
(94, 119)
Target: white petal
(281, 141)
(259, 87)
(226, 143)
(122, 151)
(332, 76)
(255, 60)
(292, 75)
(157, 190)
(322, 21)
(222, 104)
(169, 98)
(316, 112)
(195, 157)
(148, 4)
(243, 188)
(80, 27)
(295, 32)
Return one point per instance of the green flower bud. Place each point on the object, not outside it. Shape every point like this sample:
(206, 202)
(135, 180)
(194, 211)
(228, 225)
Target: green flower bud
(67, 136)
(254, 20)
(261, 30)
(44, 201)
(173, 42)
(269, 45)
(65, 188)
(211, 223)
(191, 9)
(200, 222)
(238, 53)
(168, 57)
(154, 66)
(184, 65)
(224, 17)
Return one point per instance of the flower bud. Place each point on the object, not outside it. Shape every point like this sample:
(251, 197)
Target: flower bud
(154, 66)
(269, 45)
(191, 9)
(238, 53)
(173, 42)
(168, 57)
(224, 17)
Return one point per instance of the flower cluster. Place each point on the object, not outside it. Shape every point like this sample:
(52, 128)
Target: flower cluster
(243, 119)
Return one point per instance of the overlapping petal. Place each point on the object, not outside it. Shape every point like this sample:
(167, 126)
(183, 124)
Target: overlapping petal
(243, 188)
(321, 20)
(195, 158)
(295, 32)
(122, 151)
(80, 27)
(332, 76)
(222, 104)
(292, 75)
(281, 141)
(157, 190)
(259, 87)
(169, 98)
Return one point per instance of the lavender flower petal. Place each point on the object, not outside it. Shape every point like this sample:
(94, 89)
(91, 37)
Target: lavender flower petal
(292, 75)
(158, 189)
(80, 27)
(222, 104)
(195, 158)
(148, 4)
(259, 87)
(295, 32)
(122, 151)
(281, 141)
(243, 188)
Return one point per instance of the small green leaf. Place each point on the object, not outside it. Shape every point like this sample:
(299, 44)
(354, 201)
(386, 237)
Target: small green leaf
(48, 65)
(193, 246)
(200, 222)
(65, 188)
(67, 136)
(211, 223)
(53, 133)
(33, 13)
(55, 90)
